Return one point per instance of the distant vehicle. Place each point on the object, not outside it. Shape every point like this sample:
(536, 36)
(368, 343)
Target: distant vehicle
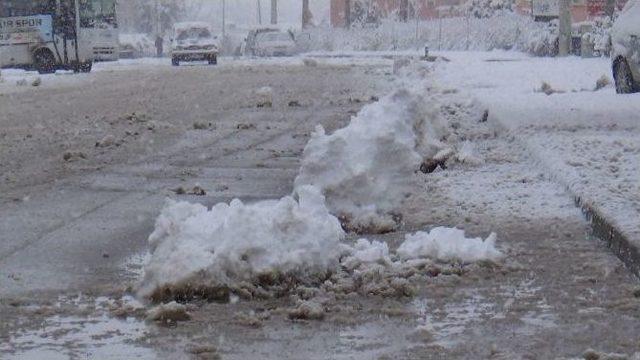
(625, 52)
(133, 46)
(193, 41)
(270, 42)
(100, 26)
(45, 35)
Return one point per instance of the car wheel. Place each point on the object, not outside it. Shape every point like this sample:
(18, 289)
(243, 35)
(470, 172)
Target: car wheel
(623, 78)
(213, 60)
(86, 67)
(45, 62)
(175, 61)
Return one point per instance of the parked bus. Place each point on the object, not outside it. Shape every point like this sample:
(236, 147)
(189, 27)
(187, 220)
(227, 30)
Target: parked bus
(45, 35)
(99, 25)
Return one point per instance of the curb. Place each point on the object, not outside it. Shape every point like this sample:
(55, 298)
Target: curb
(616, 241)
(620, 244)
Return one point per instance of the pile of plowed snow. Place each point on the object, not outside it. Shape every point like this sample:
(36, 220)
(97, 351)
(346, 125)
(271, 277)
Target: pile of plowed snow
(355, 179)
(289, 246)
(198, 252)
(364, 170)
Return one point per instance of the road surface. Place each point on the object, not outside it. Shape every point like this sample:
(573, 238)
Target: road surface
(86, 167)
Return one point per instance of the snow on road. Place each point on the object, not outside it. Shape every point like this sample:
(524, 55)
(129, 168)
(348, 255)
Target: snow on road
(198, 250)
(585, 137)
(361, 174)
(364, 169)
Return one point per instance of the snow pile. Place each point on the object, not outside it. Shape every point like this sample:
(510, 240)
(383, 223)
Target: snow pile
(448, 244)
(364, 169)
(208, 253)
(369, 268)
(366, 252)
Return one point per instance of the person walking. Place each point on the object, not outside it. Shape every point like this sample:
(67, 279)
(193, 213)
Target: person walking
(159, 46)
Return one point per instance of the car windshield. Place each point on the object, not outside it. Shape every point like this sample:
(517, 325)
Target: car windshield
(194, 33)
(319, 179)
(274, 36)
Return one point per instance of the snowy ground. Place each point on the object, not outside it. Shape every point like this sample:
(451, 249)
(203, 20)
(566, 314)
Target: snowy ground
(74, 227)
(585, 139)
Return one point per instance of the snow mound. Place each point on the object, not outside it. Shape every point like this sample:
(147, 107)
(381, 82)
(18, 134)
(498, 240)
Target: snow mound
(198, 252)
(365, 252)
(448, 244)
(364, 169)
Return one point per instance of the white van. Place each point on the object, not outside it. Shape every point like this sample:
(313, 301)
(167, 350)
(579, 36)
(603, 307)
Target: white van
(625, 54)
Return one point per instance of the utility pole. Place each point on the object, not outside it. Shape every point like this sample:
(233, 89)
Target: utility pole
(157, 18)
(347, 14)
(564, 38)
(404, 10)
(306, 14)
(274, 12)
(224, 18)
(259, 13)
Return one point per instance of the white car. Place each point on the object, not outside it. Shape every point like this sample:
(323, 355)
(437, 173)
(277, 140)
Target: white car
(625, 52)
(274, 43)
(193, 41)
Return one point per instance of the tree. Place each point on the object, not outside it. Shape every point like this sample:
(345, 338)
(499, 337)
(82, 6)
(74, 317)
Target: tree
(150, 16)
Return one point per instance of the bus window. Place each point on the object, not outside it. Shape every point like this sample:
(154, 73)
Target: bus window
(10, 8)
(98, 14)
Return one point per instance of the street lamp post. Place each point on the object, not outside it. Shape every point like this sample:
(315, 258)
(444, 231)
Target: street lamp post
(274, 12)
(224, 18)
(564, 38)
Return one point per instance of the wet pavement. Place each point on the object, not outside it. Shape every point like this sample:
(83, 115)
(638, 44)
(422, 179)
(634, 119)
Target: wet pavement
(74, 233)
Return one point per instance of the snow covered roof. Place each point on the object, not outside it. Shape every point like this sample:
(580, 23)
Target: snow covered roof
(182, 26)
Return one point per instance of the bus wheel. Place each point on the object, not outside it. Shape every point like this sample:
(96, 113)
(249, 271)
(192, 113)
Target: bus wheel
(44, 61)
(86, 67)
(175, 61)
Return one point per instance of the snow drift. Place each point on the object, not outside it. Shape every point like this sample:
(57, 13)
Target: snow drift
(198, 252)
(448, 244)
(364, 169)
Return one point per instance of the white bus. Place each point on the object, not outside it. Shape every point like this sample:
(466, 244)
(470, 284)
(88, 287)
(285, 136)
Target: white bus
(46, 35)
(99, 25)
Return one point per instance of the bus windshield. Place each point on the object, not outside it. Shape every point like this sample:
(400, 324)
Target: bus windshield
(9, 8)
(98, 14)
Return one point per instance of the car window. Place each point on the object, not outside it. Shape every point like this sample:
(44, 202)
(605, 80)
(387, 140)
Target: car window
(194, 34)
(274, 36)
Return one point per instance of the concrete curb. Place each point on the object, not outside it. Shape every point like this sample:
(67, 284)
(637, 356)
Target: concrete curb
(620, 244)
(623, 247)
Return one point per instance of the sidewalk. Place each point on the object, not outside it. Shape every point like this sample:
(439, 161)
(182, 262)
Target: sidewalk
(584, 139)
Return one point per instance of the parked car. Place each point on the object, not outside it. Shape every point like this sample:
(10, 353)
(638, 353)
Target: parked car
(133, 46)
(193, 41)
(625, 52)
(270, 42)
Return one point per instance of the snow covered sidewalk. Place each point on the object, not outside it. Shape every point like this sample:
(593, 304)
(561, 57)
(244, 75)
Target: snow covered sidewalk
(583, 134)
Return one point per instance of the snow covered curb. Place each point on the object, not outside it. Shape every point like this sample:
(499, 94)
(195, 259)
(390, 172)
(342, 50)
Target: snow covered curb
(604, 227)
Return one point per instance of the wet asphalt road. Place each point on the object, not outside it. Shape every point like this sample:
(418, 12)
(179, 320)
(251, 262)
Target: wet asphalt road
(79, 226)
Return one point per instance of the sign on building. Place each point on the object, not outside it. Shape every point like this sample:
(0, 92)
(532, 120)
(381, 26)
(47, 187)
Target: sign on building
(544, 10)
